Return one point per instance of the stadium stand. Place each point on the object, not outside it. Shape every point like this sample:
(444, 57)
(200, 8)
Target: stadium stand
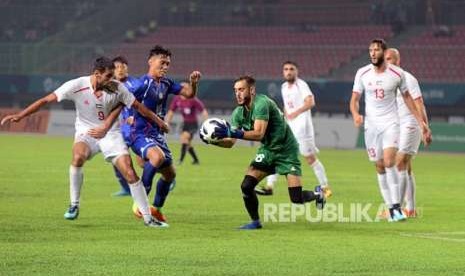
(436, 55)
(225, 39)
(31, 21)
(229, 51)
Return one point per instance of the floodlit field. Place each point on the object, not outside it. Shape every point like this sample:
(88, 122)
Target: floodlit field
(203, 212)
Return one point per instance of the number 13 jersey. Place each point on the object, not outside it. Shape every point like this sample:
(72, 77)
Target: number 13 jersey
(380, 92)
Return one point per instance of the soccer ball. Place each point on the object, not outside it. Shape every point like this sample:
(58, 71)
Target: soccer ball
(208, 128)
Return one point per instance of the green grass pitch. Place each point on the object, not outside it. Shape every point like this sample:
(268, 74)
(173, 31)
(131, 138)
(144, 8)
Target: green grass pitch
(203, 212)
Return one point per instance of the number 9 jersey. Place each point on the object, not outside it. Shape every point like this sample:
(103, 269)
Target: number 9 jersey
(91, 110)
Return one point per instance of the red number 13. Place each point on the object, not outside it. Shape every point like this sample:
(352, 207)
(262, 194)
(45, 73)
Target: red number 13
(379, 94)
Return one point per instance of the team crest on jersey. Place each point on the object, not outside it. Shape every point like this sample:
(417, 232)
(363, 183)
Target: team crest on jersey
(99, 105)
(379, 82)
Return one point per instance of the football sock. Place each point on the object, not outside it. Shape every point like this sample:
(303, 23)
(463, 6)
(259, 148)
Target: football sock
(122, 182)
(249, 196)
(76, 177)
(147, 176)
(410, 193)
(393, 183)
(384, 189)
(140, 198)
(320, 172)
(403, 179)
(183, 152)
(193, 154)
(271, 180)
(163, 189)
(299, 197)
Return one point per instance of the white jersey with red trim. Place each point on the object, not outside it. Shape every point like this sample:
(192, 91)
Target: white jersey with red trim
(380, 92)
(294, 95)
(91, 110)
(413, 87)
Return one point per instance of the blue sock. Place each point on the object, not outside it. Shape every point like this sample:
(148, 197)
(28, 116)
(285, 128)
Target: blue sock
(122, 182)
(163, 188)
(147, 176)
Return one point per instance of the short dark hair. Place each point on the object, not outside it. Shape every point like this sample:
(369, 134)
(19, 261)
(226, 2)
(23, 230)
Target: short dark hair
(381, 42)
(121, 59)
(103, 63)
(248, 79)
(288, 62)
(159, 50)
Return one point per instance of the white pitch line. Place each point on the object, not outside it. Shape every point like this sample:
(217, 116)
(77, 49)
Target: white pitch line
(436, 236)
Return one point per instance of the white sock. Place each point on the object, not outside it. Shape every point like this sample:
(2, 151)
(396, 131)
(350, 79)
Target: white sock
(271, 180)
(140, 198)
(76, 178)
(410, 193)
(393, 183)
(320, 172)
(403, 178)
(385, 192)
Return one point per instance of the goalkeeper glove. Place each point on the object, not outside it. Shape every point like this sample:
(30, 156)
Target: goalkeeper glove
(227, 132)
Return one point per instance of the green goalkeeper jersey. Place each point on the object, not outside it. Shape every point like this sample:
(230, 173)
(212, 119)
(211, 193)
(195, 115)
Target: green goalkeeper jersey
(278, 135)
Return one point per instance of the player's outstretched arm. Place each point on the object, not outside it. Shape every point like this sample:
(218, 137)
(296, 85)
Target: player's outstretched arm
(256, 134)
(144, 111)
(34, 107)
(354, 109)
(226, 143)
(101, 131)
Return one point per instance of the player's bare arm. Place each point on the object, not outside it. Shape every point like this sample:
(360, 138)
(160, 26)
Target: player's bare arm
(354, 109)
(144, 111)
(34, 107)
(413, 109)
(309, 103)
(204, 114)
(225, 143)
(420, 105)
(101, 131)
(189, 91)
(169, 116)
(258, 132)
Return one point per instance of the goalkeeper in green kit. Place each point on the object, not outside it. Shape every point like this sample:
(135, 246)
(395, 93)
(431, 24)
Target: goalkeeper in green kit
(258, 118)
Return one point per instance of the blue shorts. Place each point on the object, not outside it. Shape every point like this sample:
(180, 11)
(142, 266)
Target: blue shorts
(142, 142)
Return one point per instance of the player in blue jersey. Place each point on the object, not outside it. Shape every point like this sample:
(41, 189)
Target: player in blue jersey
(147, 140)
(126, 117)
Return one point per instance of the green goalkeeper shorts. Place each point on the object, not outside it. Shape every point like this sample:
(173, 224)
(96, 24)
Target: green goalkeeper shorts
(283, 162)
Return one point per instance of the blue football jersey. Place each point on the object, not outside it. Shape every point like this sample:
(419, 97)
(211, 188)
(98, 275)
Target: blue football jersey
(130, 83)
(154, 95)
